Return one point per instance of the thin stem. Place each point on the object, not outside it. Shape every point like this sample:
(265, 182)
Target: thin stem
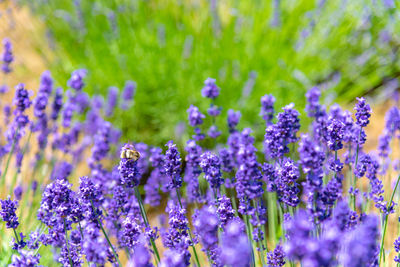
(386, 220)
(271, 216)
(16, 236)
(146, 222)
(234, 205)
(264, 243)
(354, 176)
(253, 263)
(189, 231)
(105, 234)
(66, 242)
(3, 177)
(19, 168)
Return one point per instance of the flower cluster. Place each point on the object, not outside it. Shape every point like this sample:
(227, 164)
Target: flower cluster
(309, 199)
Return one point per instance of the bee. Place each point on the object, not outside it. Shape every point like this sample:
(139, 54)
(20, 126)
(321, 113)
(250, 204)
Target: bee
(130, 154)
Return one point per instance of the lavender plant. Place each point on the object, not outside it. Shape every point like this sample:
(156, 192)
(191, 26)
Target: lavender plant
(316, 198)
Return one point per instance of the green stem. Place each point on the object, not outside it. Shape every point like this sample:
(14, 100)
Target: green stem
(271, 216)
(146, 222)
(66, 242)
(386, 221)
(248, 230)
(264, 242)
(3, 177)
(234, 205)
(353, 196)
(105, 234)
(16, 236)
(19, 169)
(189, 231)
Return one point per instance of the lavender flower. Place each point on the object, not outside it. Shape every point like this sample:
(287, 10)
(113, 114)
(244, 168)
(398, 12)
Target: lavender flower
(360, 247)
(174, 258)
(214, 111)
(177, 238)
(206, 226)
(7, 213)
(172, 165)
(68, 112)
(193, 171)
(235, 246)
(213, 132)
(248, 177)
(233, 119)
(141, 257)
(392, 119)
(301, 245)
(225, 211)
(276, 258)
(313, 108)
(101, 145)
(7, 56)
(57, 103)
(21, 99)
(131, 232)
(210, 89)
(25, 259)
(195, 116)
(363, 112)
(112, 100)
(397, 249)
(45, 89)
(286, 185)
(335, 134)
(279, 135)
(128, 169)
(267, 108)
(76, 80)
(312, 156)
(212, 169)
(128, 94)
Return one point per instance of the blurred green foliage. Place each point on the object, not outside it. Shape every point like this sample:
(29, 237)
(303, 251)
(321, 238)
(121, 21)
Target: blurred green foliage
(169, 47)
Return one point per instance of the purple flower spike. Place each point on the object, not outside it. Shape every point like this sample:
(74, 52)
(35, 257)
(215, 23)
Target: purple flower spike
(141, 257)
(57, 104)
(360, 247)
(172, 165)
(267, 108)
(363, 112)
(235, 246)
(211, 165)
(112, 100)
(25, 258)
(313, 108)
(127, 95)
(195, 116)
(76, 80)
(7, 213)
(233, 119)
(214, 111)
(276, 258)
(213, 132)
(7, 56)
(397, 249)
(335, 133)
(210, 89)
(206, 226)
(128, 169)
(131, 232)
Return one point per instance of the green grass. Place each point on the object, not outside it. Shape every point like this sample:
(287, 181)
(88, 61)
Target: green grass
(170, 47)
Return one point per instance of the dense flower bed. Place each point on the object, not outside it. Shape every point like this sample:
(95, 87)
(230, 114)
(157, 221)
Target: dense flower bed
(315, 198)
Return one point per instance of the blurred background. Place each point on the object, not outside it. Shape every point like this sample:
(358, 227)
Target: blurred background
(170, 47)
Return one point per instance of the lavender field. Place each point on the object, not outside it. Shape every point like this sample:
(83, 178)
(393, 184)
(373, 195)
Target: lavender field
(312, 182)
